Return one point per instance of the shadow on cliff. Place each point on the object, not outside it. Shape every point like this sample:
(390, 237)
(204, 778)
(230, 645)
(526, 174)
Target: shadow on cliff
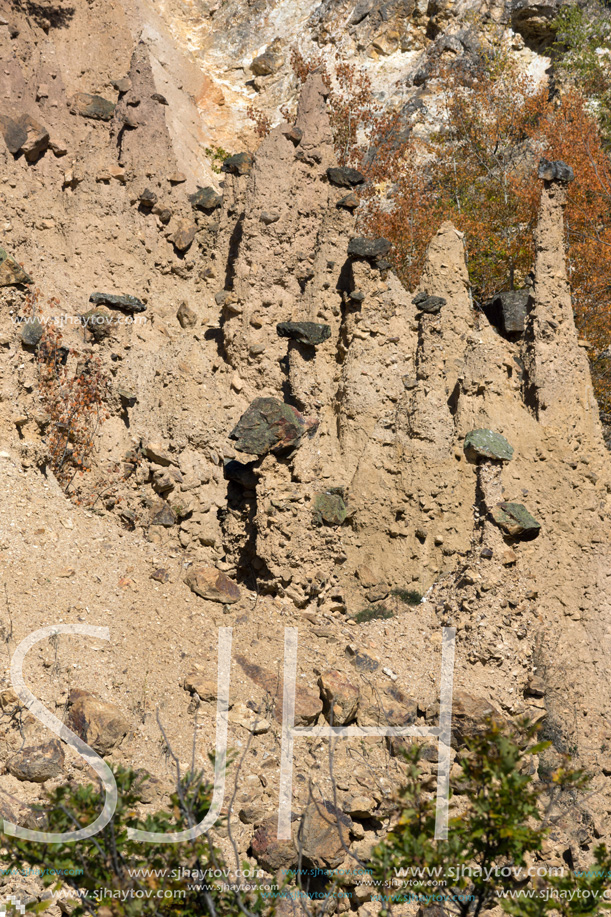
(45, 15)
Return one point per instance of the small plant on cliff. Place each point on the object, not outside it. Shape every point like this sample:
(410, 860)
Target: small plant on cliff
(74, 400)
(119, 877)
(373, 613)
(503, 825)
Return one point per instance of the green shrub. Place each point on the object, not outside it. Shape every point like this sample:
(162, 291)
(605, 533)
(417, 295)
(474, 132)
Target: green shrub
(110, 864)
(408, 596)
(373, 613)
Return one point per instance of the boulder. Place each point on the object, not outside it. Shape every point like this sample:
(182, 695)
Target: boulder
(37, 763)
(205, 199)
(239, 164)
(385, 707)
(92, 106)
(211, 584)
(205, 688)
(344, 177)
(31, 333)
(270, 853)
(100, 724)
(349, 201)
(123, 301)
(294, 134)
(508, 310)
(157, 454)
(308, 705)
(183, 235)
(13, 132)
(324, 834)
(359, 806)
(249, 719)
(268, 425)
(186, 316)
(368, 248)
(485, 444)
(310, 333)
(163, 514)
(470, 714)
(37, 138)
(99, 323)
(23, 134)
(329, 509)
(555, 171)
(340, 698)
(269, 62)
(429, 304)
(148, 199)
(515, 519)
(11, 273)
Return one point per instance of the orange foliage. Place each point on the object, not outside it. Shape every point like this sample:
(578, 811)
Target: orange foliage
(74, 401)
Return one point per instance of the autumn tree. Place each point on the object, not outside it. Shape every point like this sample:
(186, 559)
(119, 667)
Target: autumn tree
(474, 161)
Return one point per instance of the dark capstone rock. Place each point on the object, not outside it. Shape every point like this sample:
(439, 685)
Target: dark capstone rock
(128, 398)
(122, 85)
(205, 199)
(11, 273)
(92, 106)
(368, 248)
(311, 333)
(357, 296)
(294, 134)
(349, 201)
(507, 311)
(239, 164)
(98, 322)
(515, 519)
(268, 425)
(23, 134)
(157, 97)
(38, 763)
(31, 333)
(486, 553)
(344, 177)
(430, 304)
(364, 663)
(269, 216)
(160, 575)
(124, 301)
(148, 198)
(330, 509)
(555, 171)
(163, 514)
(485, 444)
(15, 134)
